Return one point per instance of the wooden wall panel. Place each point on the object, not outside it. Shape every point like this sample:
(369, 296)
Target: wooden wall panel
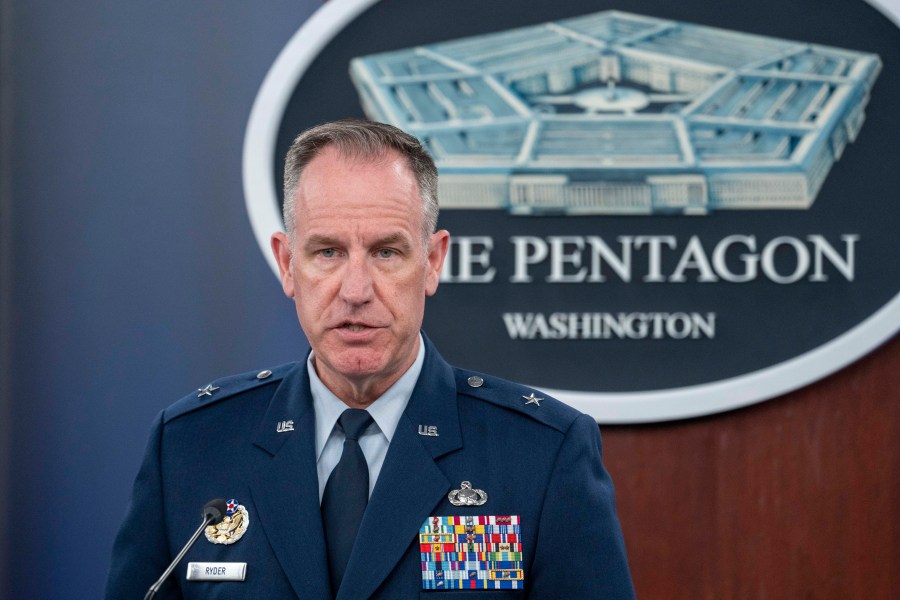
(796, 497)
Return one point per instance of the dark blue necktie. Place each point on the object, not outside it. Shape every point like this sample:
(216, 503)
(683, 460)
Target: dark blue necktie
(346, 495)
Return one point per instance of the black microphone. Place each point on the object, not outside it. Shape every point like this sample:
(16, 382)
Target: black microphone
(213, 513)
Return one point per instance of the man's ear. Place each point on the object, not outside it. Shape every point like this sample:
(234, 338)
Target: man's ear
(437, 252)
(281, 248)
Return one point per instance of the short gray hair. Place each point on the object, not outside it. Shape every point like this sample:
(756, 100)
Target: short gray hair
(356, 138)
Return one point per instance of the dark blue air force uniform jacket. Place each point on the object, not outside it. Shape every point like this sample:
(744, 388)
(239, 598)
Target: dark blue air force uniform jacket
(541, 462)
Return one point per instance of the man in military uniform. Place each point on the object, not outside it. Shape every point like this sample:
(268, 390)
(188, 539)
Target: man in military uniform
(373, 469)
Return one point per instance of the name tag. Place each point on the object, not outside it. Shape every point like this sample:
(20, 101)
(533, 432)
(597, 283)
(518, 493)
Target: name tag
(216, 571)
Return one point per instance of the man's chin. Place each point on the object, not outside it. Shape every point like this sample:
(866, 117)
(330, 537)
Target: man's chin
(358, 364)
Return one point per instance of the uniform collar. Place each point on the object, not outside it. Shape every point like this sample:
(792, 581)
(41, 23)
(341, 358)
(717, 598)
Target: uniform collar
(385, 411)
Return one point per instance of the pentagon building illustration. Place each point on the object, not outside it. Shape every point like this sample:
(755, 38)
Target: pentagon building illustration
(617, 113)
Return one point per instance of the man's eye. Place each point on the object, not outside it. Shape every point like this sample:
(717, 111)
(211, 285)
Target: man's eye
(386, 253)
(328, 253)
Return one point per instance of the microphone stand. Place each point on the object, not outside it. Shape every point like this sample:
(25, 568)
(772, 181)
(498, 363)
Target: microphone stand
(209, 518)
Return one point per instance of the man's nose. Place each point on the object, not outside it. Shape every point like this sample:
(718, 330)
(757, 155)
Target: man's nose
(357, 284)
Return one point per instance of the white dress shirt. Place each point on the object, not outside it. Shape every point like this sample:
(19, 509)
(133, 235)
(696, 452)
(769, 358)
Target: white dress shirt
(385, 411)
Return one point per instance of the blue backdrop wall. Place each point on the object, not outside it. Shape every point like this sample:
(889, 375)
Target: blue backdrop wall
(131, 275)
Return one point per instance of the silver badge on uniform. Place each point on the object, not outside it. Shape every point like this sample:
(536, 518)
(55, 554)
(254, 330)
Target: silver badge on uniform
(232, 527)
(467, 496)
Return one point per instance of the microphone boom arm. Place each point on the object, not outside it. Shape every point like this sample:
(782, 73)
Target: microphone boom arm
(212, 513)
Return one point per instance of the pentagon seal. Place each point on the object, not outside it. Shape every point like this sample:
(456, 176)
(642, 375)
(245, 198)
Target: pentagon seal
(232, 527)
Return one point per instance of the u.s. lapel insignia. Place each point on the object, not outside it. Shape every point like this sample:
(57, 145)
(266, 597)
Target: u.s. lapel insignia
(428, 430)
(233, 526)
(467, 496)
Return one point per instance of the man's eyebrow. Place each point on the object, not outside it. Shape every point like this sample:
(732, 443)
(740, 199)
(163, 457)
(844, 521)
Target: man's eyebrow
(394, 239)
(327, 241)
(320, 241)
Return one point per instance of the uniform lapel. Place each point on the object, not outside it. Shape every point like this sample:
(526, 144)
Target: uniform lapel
(410, 484)
(285, 488)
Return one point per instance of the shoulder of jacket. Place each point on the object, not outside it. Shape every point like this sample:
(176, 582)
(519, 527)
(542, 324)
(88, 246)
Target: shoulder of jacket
(522, 399)
(224, 388)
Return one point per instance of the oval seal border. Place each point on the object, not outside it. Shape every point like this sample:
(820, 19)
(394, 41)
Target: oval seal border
(261, 200)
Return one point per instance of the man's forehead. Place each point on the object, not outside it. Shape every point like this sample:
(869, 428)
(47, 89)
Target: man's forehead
(352, 159)
(334, 183)
(334, 178)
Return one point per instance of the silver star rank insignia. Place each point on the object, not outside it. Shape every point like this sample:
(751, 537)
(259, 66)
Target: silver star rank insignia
(532, 399)
(206, 391)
